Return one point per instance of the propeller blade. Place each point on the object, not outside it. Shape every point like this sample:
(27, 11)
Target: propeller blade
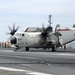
(9, 28)
(17, 28)
(13, 26)
(49, 28)
(9, 38)
(13, 29)
(43, 27)
(46, 31)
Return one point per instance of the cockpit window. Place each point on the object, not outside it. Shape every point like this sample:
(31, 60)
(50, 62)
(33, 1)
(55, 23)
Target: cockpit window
(19, 34)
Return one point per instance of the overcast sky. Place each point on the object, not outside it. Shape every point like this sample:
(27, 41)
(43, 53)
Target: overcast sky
(30, 13)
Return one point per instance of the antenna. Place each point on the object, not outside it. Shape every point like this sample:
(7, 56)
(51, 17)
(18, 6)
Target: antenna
(50, 20)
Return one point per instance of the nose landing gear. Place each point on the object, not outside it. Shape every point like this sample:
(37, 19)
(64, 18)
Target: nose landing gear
(16, 49)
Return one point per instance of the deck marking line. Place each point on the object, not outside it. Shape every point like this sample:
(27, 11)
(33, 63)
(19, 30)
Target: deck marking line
(38, 73)
(26, 71)
(10, 69)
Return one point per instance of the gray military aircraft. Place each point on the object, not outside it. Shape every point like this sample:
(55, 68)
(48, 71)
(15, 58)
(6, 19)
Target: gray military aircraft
(44, 39)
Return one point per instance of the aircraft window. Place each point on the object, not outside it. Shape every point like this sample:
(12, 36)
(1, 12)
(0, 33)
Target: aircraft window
(19, 34)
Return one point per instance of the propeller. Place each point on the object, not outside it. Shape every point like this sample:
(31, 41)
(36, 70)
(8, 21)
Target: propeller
(46, 31)
(12, 30)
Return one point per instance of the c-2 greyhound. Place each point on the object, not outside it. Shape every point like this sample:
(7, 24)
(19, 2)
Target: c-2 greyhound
(44, 39)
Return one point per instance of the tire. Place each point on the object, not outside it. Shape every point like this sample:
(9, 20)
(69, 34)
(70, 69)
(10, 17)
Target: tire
(27, 48)
(53, 49)
(15, 50)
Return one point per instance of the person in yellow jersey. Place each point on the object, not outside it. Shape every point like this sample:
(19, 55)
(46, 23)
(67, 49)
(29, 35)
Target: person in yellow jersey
(65, 46)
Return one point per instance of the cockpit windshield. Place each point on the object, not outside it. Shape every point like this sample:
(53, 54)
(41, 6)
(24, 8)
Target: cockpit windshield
(19, 34)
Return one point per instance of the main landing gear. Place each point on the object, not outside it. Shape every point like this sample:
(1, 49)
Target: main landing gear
(54, 48)
(27, 48)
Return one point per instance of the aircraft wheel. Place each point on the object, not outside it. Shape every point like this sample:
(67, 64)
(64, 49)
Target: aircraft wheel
(15, 50)
(27, 48)
(53, 49)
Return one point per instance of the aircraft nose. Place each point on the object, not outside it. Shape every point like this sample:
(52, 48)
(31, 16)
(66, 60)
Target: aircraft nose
(13, 40)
